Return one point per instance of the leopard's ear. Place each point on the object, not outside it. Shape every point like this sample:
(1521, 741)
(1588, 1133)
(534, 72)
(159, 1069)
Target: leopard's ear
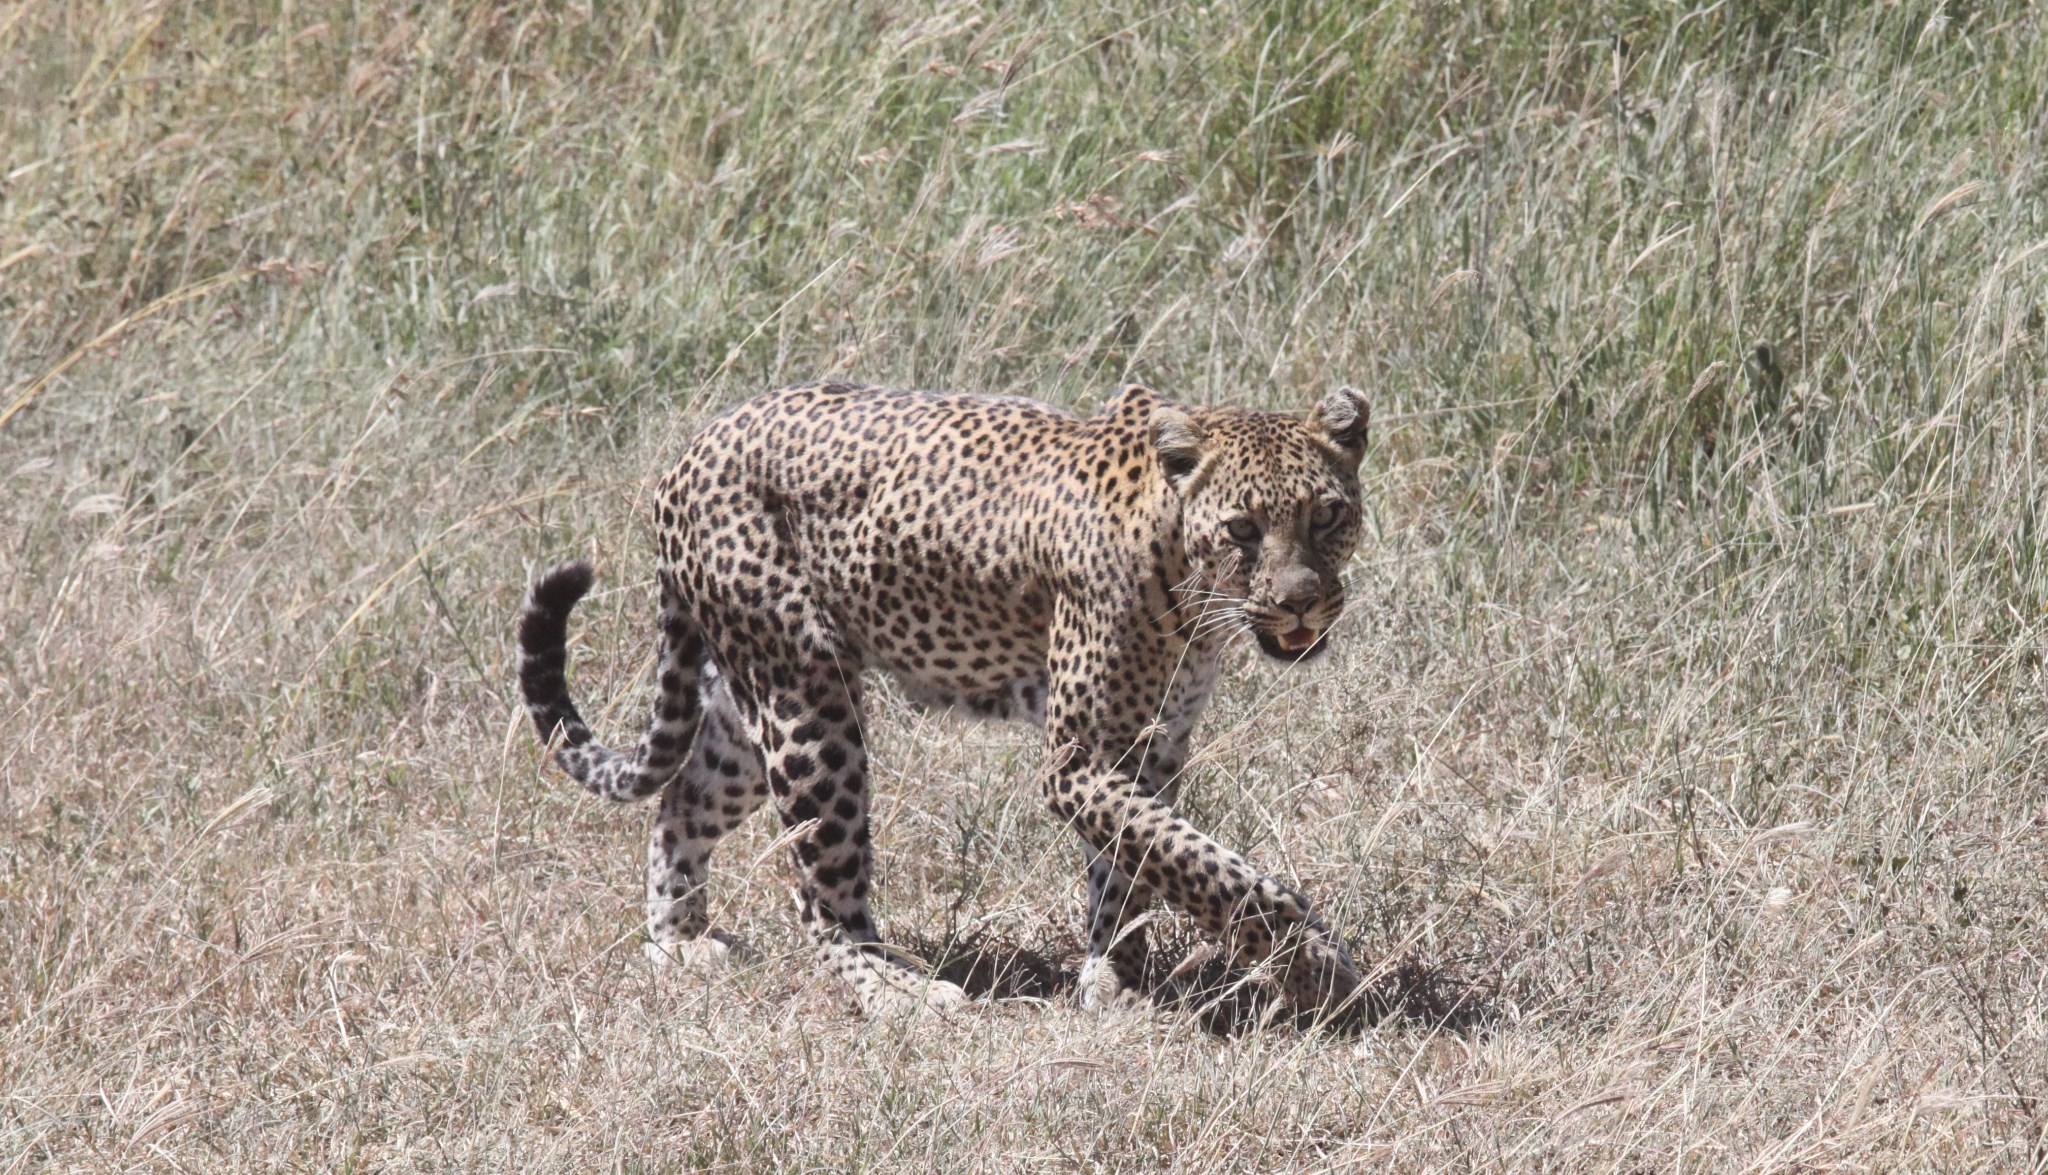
(1180, 443)
(1342, 419)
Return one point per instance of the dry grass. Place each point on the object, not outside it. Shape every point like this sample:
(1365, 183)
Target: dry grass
(1686, 734)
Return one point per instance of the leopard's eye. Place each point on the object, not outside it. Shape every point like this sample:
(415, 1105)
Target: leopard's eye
(1243, 530)
(1326, 515)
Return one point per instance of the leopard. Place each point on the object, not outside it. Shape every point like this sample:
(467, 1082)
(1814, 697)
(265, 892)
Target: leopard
(996, 556)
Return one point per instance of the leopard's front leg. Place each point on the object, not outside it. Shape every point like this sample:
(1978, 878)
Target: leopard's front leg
(1111, 666)
(1256, 917)
(1117, 948)
(1117, 940)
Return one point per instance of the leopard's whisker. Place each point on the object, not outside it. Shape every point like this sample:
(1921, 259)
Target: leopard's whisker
(1224, 621)
(1208, 609)
(1209, 624)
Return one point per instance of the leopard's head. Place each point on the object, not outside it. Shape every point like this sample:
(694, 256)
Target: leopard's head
(1269, 514)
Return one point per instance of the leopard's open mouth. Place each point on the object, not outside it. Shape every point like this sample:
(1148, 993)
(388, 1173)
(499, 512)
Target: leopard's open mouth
(1299, 644)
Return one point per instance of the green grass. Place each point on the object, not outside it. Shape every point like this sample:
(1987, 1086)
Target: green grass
(1689, 717)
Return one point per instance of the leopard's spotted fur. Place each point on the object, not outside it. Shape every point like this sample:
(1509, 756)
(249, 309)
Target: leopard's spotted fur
(998, 556)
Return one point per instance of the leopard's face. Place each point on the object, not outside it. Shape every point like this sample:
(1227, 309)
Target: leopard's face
(1269, 516)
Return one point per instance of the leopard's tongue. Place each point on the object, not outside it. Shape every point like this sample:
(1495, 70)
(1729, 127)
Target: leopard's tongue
(1301, 638)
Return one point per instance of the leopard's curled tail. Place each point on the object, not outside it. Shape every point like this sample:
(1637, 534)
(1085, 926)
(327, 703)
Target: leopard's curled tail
(543, 680)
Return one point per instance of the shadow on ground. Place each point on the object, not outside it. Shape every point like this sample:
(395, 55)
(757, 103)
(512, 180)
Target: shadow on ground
(1226, 1001)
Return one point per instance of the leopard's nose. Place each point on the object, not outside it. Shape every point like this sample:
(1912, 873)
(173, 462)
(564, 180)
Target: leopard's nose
(1299, 590)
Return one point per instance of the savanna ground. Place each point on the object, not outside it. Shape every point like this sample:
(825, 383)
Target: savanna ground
(1681, 761)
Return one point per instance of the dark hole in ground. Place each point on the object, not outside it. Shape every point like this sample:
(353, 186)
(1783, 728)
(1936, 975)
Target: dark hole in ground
(994, 966)
(1450, 994)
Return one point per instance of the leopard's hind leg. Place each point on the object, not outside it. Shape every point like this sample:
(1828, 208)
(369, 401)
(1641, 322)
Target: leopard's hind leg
(816, 757)
(721, 785)
(796, 687)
